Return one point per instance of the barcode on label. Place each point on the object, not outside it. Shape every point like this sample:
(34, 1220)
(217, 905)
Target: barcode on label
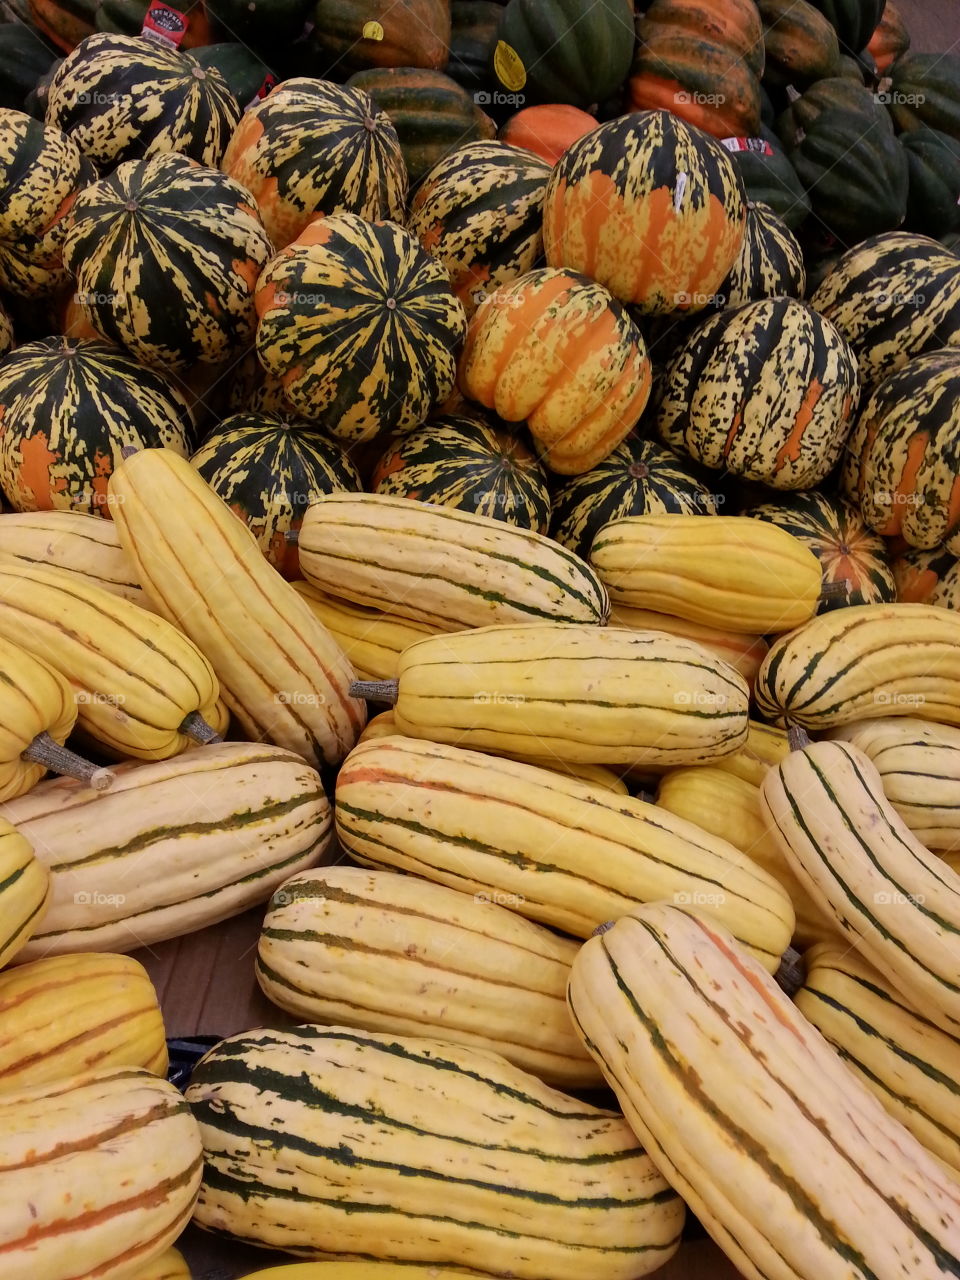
(758, 145)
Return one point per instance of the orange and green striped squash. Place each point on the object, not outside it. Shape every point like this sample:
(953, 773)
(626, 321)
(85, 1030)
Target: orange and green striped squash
(547, 129)
(928, 577)
(649, 207)
(557, 351)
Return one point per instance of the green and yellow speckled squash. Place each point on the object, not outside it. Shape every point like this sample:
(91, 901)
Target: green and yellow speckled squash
(770, 264)
(903, 460)
(639, 478)
(649, 207)
(765, 391)
(480, 211)
(361, 325)
(455, 461)
(166, 254)
(314, 147)
(848, 551)
(41, 171)
(68, 407)
(928, 577)
(124, 97)
(893, 297)
(268, 470)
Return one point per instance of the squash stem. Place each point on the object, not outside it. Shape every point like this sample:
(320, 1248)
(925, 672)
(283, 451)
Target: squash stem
(376, 690)
(195, 727)
(791, 976)
(797, 737)
(46, 751)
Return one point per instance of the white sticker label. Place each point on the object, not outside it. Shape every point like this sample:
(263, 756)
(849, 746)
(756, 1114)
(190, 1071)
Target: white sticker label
(680, 189)
(758, 145)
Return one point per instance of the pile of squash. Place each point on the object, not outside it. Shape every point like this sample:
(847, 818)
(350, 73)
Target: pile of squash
(481, 487)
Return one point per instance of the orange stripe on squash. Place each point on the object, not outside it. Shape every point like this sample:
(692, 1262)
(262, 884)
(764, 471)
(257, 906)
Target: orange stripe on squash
(792, 448)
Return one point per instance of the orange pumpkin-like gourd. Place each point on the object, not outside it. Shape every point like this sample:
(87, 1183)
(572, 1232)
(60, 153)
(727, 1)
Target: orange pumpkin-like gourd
(547, 130)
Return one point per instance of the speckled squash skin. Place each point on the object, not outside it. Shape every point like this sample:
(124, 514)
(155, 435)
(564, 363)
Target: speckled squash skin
(41, 172)
(124, 97)
(651, 208)
(928, 577)
(314, 147)
(166, 254)
(765, 391)
(770, 264)
(361, 325)
(68, 407)
(557, 351)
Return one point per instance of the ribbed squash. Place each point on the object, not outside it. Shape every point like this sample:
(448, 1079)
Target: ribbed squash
(800, 44)
(741, 651)
(547, 129)
(446, 568)
(64, 23)
(638, 478)
(68, 408)
(247, 75)
(69, 1014)
(751, 1114)
(361, 325)
(729, 808)
(841, 667)
(919, 767)
(349, 35)
(373, 949)
(892, 899)
(766, 391)
(25, 56)
(41, 172)
(141, 684)
(768, 176)
(24, 891)
(371, 640)
(902, 463)
(555, 350)
(890, 39)
(453, 461)
(933, 159)
(281, 673)
(925, 90)
(851, 556)
(268, 470)
(432, 114)
(166, 254)
(383, 1117)
(473, 36)
(479, 211)
(649, 207)
(99, 1174)
(122, 97)
(900, 1056)
(601, 695)
(702, 62)
(562, 51)
(770, 264)
(174, 845)
(766, 746)
(314, 147)
(726, 571)
(893, 297)
(853, 20)
(77, 544)
(928, 577)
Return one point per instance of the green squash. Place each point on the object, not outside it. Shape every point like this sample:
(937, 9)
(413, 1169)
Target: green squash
(925, 90)
(25, 56)
(473, 39)
(770, 179)
(564, 50)
(244, 71)
(933, 200)
(801, 45)
(853, 20)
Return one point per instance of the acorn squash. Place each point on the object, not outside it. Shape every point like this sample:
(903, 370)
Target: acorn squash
(933, 197)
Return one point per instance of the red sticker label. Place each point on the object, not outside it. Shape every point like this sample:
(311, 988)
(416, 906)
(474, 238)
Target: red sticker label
(164, 24)
(269, 82)
(759, 145)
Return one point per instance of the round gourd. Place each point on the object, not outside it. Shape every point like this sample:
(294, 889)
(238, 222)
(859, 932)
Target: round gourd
(933, 198)
(650, 208)
(925, 90)
(314, 147)
(903, 458)
(68, 408)
(800, 44)
(890, 39)
(765, 391)
(639, 478)
(848, 551)
(166, 254)
(268, 470)
(853, 20)
(770, 264)
(473, 36)
(350, 35)
(769, 178)
(41, 171)
(124, 97)
(460, 462)
(480, 212)
(893, 297)
(361, 326)
(928, 577)
(548, 129)
(557, 351)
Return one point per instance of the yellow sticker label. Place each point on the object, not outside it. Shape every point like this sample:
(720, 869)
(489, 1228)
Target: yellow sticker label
(509, 67)
(372, 31)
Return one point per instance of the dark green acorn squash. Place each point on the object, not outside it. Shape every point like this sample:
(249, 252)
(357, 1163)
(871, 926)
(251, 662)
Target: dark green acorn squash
(263, 25)
(853, 20)
(771, 179)
(565, 50)
(925, 90)
(25, 56)
(244, 71)
(35, 103)
(473, 39)
(837, 93)
(431, 113)
(933, 201)
(801, 45)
